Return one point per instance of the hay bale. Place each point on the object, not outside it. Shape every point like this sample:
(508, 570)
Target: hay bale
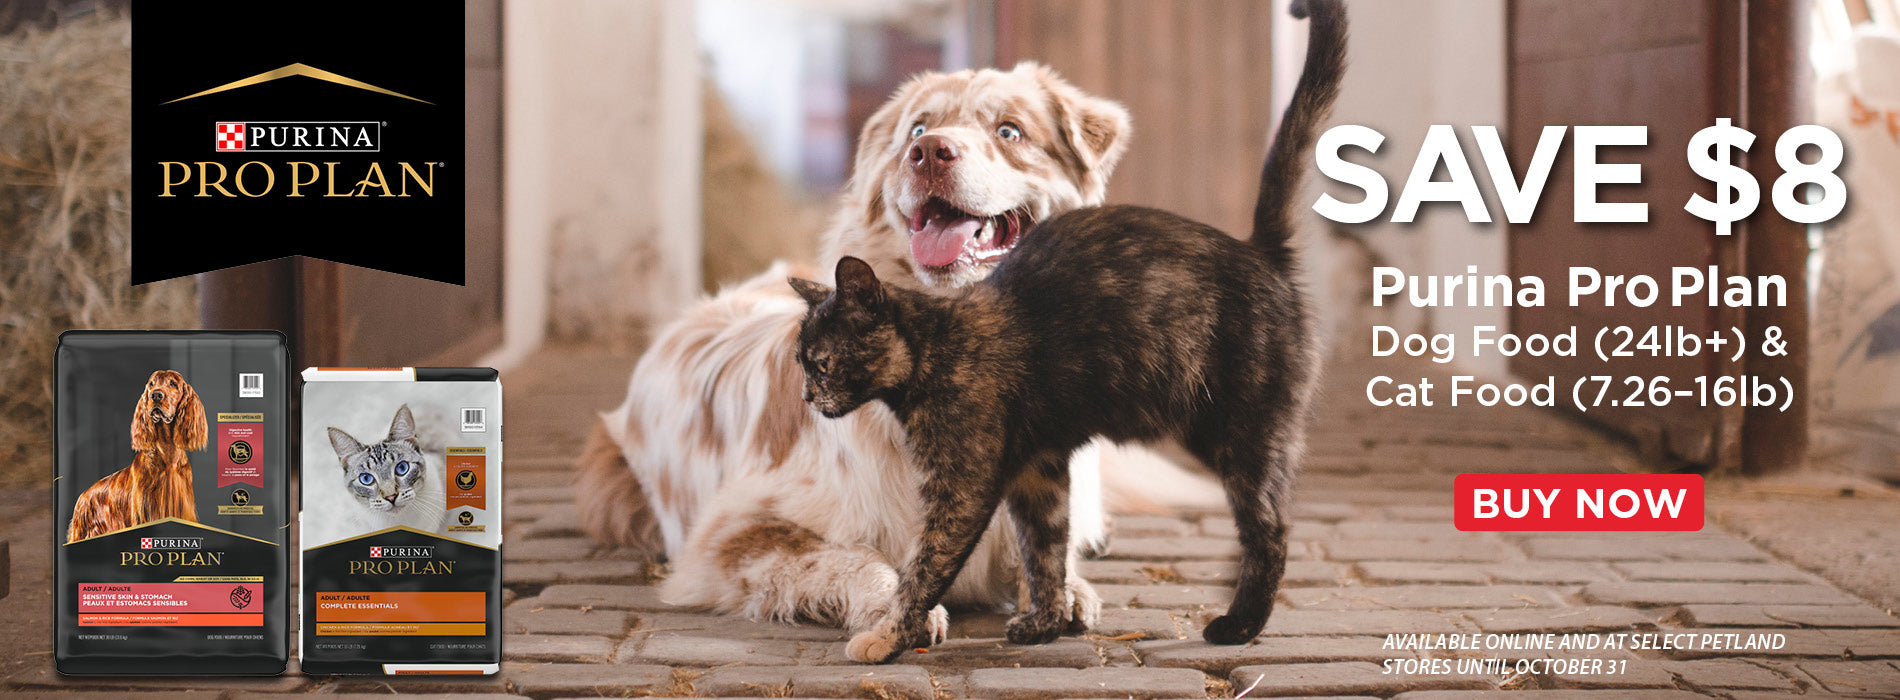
(748, 217)
(65, 220)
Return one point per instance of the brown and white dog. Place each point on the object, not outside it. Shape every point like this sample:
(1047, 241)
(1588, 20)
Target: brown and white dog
(714, 459)
(168, 423)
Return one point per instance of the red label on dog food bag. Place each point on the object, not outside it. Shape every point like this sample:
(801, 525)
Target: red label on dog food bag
(240, 442)
(234, 604)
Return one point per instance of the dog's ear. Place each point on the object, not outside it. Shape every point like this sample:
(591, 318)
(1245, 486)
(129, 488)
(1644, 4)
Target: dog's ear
(346, 446)
(191, 427)
(858, 283)
(142, 434)
(812, 292)
(403, 426)
(1095, 130)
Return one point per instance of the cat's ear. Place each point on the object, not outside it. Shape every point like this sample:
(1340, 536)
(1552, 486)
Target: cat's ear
(346, 447)
(404, 426)
(812, 292)
(858, 282)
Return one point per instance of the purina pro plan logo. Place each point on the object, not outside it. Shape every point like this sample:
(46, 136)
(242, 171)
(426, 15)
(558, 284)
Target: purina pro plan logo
(171, 551)
(304, 137)
(276, 131)
(400, 560)
(413, 552)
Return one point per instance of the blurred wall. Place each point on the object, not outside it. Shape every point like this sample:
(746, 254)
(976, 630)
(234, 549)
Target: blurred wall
(1412, 65)
(602, 158)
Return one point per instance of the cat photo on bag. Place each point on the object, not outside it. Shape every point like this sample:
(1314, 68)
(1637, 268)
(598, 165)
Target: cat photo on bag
(378, 478)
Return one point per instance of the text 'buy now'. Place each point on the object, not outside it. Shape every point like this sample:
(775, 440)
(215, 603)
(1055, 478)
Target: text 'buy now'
(1578, 502)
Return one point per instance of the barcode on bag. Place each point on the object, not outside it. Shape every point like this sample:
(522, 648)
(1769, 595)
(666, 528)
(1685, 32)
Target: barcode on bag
(474, 420)
(250, 386)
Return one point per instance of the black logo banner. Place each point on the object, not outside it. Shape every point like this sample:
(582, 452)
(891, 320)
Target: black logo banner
(332, 130)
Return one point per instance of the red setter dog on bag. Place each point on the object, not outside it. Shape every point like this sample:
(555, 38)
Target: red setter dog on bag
(168, 423)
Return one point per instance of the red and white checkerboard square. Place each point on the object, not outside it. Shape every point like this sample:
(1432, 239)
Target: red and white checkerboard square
(375, 552)
(145, 543)
(230, 136)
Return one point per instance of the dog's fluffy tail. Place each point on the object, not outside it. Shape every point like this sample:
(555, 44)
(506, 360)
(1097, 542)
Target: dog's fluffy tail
(613, 508)
(1285, 170)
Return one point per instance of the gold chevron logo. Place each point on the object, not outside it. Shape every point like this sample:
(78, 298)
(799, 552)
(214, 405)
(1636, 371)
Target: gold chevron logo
(305, 71)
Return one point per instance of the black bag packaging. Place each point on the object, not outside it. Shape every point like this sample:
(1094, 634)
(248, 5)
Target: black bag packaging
(172, 539)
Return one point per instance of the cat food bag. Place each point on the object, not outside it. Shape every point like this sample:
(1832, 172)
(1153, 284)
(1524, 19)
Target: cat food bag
(172, 551)
(401, 521)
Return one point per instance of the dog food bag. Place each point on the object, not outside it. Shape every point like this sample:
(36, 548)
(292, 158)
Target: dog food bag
(172, 509)
(401, 521)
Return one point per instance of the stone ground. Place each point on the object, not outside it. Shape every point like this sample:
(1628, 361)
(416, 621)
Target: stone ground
(1373, 554)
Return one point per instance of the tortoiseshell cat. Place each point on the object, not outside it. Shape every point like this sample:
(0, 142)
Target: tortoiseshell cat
(1124, 322)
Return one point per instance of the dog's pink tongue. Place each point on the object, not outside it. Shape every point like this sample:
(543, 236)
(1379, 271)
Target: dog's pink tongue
(940, 242)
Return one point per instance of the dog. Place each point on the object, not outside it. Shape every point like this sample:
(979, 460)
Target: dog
(715, 462)
(168, 423)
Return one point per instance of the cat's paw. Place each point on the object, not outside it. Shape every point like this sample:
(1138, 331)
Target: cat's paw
(1084, 607)
(881, 643)
(937, 623)
(1033, 628)
(872, 648)
(1228, 629)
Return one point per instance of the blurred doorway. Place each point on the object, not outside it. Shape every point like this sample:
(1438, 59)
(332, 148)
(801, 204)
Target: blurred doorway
(1675, 66)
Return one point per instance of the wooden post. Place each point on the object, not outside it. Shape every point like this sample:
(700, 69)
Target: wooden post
(1779, 96)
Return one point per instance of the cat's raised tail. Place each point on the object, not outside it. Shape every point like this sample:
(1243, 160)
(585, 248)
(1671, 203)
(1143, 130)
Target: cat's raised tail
(1306, 113)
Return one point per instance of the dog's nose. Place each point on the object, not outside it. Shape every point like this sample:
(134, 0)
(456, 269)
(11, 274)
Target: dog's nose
(158, 396)
(932, 151)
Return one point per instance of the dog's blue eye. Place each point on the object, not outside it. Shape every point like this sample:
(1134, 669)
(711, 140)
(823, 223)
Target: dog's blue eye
(1009, 132)
(366, 478)
(402, 468)
(916, 130)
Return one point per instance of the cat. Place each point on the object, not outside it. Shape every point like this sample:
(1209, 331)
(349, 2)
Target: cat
(394, 482)
(1123, 322)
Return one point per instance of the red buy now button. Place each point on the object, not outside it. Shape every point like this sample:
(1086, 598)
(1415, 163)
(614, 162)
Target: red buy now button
(1578, 502)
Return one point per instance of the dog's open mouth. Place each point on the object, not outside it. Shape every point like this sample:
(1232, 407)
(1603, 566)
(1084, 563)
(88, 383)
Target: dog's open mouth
(942, 235)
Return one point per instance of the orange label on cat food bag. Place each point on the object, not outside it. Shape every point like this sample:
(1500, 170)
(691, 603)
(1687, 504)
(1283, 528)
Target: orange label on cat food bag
(468, 483)
(403, 629)
(423, 614)
(410, 606)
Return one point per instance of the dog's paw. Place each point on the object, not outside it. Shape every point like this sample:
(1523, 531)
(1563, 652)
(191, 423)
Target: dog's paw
(937, 623)
(1228, 629)
(1092, 548)
(1084, 607)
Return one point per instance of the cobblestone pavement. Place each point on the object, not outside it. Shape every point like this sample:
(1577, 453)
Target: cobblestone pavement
(1373, 553)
